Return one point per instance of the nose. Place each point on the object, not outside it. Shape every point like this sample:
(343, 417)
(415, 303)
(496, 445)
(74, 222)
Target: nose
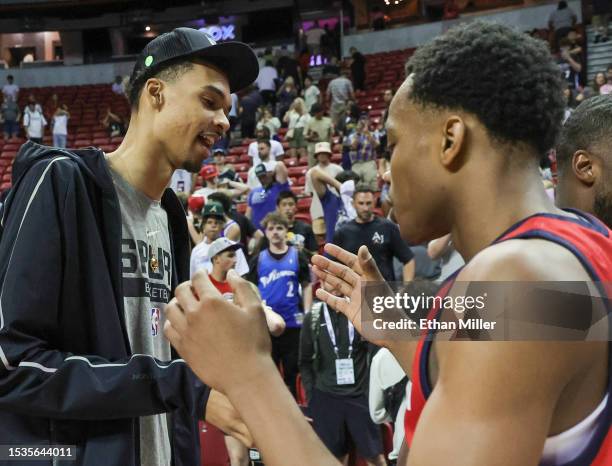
(221, 122)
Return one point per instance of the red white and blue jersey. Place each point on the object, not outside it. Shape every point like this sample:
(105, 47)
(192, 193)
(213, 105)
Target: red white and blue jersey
(591, 242)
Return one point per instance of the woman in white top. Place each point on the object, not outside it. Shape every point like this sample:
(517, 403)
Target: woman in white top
(60, 126)
(296, 118)
(34, 122)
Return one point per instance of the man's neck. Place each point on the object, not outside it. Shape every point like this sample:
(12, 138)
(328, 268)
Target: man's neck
(358, 219)
(219, 275)
(280, 249)
(482, 214)
(323, 164)
(139, 161)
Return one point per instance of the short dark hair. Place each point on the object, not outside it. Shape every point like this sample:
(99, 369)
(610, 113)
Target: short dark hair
(347, 175)
(264, 141)
(222, 199)
(266, 131)
(275, 217)
(10, 76)
(588, 126)
(285, 195)
(362, 188)
(507, 79)
(169, 71)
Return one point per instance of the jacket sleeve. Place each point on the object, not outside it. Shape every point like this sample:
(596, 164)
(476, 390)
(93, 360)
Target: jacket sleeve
(37, 377)
(305, 356)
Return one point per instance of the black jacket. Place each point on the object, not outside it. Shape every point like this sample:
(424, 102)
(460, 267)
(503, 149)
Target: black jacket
(67, 374)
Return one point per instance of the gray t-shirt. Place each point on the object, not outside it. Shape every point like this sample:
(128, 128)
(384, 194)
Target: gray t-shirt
(562, 18)
(340, 90)
(146, 289)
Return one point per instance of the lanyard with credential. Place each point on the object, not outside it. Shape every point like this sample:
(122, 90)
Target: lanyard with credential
(332, 334)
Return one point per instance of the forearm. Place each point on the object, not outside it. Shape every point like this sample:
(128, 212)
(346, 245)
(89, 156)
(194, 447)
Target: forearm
(577, 67)
(437, 247)
(322, 177)
(409, 268)
(307, 298)
(274, 321)
(278, 426)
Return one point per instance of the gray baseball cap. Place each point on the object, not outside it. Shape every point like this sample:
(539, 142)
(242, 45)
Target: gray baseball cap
(220, 245)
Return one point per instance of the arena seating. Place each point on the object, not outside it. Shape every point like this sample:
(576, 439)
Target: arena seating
(88, 105)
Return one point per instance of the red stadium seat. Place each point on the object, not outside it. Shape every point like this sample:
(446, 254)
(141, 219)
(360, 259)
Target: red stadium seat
(212, 446)
(303, 204)
(303, 217)
(297, 171)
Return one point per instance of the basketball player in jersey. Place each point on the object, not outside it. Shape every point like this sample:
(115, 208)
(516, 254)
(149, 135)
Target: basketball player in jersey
(481, 106)
(584, 159)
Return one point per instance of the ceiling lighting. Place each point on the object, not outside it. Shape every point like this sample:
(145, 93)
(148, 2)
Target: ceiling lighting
(148, 28)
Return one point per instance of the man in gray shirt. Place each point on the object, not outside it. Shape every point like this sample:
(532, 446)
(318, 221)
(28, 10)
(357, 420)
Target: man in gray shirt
(10, 115)
(339, 92)
(561, 21)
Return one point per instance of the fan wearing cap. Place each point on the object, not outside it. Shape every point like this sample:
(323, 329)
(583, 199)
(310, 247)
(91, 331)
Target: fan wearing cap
(84, 359)
(226, 170)
(262, 200)
(210, 175)
(216, 224)
(322, 155)
(264, 148)
(223, 257)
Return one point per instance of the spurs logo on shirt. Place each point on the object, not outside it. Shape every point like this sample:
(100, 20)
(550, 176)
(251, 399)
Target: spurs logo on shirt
(139, 279)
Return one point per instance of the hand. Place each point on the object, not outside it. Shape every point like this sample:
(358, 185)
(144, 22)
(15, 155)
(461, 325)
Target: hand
(227, 345)
(221, 413)
(565, 54)
(340, 282)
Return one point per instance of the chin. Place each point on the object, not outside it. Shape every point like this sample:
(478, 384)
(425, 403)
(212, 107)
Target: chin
(192, 166)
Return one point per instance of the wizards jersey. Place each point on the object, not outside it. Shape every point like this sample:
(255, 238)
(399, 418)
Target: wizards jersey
(279, 285)
(591, 242)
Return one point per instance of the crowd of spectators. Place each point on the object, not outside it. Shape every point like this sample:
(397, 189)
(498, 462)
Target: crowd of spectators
(33, 120)
(348, 205)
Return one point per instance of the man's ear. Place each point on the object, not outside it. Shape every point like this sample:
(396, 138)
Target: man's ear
(454, 133)
(153, 91)
(585, 167)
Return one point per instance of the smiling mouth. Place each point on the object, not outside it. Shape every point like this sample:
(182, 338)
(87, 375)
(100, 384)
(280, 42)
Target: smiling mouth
(206, 140)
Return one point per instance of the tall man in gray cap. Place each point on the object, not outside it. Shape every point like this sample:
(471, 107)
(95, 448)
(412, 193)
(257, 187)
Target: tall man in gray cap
(83, 360)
